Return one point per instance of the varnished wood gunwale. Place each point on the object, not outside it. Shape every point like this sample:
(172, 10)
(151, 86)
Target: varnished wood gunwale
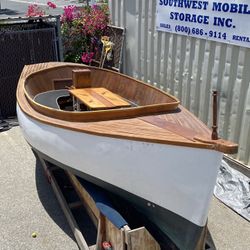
(132, 128)
(165, 102)
(98, 77)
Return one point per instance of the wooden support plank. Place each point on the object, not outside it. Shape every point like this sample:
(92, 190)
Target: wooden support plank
(87, 200)
(101, 232)
(110, 233)
(140, 238)
(66, 210)
(115, 236)
(202, 241)
(106, 230)
(74, 205)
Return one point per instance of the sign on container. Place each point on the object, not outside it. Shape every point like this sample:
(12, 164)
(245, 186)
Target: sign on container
(224, 21)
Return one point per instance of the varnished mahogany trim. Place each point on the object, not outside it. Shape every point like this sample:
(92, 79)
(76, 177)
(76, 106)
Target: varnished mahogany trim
(131, 129)
(118, 78)
(220, 145)
(99, 115)
(166, 102)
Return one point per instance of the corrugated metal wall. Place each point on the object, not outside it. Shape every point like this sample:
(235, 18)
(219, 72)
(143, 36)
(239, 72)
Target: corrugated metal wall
(189, 68)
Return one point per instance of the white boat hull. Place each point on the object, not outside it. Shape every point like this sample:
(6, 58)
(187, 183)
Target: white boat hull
(180, 179)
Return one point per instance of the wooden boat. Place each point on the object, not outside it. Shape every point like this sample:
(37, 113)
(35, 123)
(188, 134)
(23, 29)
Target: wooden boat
(126, 136)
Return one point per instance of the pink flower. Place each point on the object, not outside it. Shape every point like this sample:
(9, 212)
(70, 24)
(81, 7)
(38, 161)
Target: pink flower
(87, 57)
(69, 13)
(51, 5)
(34, 10)
(94, 20)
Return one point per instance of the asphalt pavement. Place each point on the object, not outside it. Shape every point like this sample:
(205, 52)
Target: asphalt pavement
(27, 202)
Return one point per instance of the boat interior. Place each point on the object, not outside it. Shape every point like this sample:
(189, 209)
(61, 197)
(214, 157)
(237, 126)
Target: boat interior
(82, 93)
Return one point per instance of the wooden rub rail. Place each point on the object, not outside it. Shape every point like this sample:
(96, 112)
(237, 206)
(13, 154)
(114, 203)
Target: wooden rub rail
(108, 235)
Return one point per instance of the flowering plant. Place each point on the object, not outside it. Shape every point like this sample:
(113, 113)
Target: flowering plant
(87, 57)
(82, 29)
(35, 10)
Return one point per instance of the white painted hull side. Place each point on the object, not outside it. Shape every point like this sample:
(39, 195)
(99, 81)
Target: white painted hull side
(180, 179)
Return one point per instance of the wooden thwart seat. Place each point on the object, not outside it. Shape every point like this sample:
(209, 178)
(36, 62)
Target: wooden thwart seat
(99, 98)
(94, 98)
